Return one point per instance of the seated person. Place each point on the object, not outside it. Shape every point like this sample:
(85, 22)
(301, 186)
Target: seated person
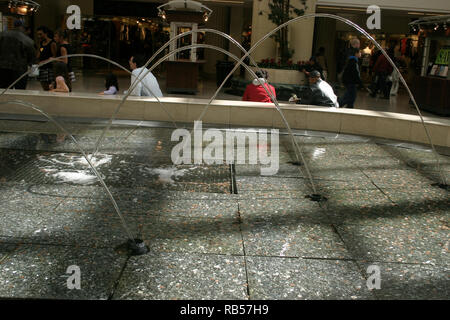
(148, 86)
(62, 80)
(312, 65)
(319, 93)
(111, 85)
(255, 91)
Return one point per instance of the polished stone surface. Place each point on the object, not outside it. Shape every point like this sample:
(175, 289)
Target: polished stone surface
(216, 231)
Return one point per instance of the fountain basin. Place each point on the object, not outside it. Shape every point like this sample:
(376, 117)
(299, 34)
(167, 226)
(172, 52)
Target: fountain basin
(403, 127)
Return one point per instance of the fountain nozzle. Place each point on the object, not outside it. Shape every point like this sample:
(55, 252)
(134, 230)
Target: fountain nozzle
(442, 186)
(137, 247)
(316, 197)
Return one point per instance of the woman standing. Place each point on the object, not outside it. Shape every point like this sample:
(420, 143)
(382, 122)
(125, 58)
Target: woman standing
(64, 49)
(47, 51)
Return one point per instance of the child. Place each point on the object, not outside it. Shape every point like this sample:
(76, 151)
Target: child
(111, 85)
(62, 82)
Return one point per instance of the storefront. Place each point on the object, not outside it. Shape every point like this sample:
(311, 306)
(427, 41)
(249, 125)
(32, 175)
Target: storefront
(403, 49)
(118, 38)
(432, 84)
(395, 36)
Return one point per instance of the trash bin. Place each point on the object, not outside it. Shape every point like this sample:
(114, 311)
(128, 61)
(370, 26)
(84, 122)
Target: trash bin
(223, 68)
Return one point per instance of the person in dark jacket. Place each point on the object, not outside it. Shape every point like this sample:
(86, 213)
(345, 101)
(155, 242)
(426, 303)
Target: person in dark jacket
(17, 53)
(319, 93)
(351, 79)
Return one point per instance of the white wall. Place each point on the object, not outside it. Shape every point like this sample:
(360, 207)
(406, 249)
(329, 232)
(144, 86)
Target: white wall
(407, 5)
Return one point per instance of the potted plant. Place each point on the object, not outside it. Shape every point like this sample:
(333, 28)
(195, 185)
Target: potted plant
(281, 11)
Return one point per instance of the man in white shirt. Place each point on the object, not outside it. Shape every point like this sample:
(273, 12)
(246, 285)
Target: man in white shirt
(148, 86)
(319, 93)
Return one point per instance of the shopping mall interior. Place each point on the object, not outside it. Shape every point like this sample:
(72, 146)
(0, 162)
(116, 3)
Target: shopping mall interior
(116, 29)
(129, 196)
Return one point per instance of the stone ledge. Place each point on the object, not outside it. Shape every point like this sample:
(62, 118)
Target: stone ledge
(230, 112)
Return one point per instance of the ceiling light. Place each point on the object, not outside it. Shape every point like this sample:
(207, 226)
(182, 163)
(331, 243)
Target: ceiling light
(23, 7)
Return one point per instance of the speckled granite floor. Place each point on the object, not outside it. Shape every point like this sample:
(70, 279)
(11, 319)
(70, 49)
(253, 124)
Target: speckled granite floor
(214, 231)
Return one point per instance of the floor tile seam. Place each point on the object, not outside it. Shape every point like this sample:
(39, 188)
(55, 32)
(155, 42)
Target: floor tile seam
(9, 254)
(405, 228)
(358, 260)
(117, 281)
(408, 165)
(411, 169)
(370, 179)
(174, 215)
(51, 244)
(358, 267)
(243, 176)
(233, 183)
(363, 273)
(301, 221)
(265, 198)
(348, 249)
(244, 254)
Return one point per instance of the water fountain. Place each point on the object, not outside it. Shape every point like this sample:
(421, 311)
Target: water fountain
(137, 246)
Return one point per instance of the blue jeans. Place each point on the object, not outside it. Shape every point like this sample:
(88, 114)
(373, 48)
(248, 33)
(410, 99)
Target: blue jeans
(349, 96)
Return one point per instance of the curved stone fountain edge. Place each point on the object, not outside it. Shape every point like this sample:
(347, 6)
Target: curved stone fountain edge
(380, 124)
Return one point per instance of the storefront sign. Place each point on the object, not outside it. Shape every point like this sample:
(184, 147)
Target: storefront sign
(443, 57)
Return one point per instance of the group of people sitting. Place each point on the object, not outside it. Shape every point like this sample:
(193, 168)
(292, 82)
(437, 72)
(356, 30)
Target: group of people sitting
(318, 93)
(147, 86)
(55, 71)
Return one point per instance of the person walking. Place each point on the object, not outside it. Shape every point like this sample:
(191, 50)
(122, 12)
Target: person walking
(47, 51)
(351, 79)
(382, 70)
(395, 79)
(17, 53)
(354, 44)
